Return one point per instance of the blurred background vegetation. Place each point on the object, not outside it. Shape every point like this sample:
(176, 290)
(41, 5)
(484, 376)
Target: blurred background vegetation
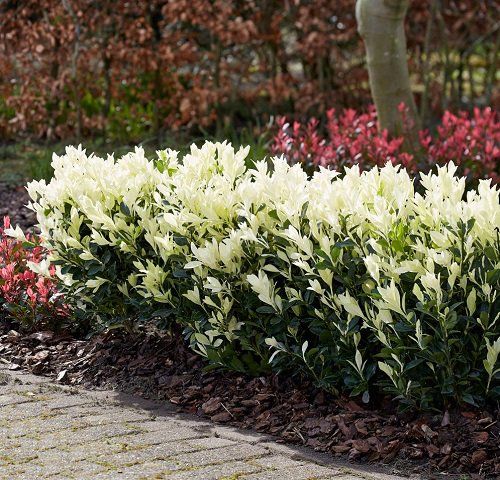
(165, 73)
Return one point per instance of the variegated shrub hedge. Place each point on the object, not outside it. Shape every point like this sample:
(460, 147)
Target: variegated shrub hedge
(357, 280)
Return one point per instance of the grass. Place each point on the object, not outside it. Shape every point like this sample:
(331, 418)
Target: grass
(24, 161)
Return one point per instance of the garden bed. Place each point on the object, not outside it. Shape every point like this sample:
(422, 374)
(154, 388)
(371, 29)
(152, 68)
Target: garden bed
(159, 366)
(13, 201)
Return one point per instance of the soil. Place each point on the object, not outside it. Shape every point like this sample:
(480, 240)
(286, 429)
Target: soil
(13, 201)
(157, 364)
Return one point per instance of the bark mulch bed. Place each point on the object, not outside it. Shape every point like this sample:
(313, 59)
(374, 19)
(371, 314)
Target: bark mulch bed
(13, 201)
(158, 365)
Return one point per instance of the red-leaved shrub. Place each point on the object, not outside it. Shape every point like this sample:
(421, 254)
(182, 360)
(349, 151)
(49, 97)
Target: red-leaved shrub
(472, 142)
(351, 138)
(29, 298)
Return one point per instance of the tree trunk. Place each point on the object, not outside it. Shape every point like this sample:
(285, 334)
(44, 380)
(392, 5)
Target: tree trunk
(381, 25)
(424, 102)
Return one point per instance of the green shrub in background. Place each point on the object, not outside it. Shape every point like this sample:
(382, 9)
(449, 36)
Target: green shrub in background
(355, 280)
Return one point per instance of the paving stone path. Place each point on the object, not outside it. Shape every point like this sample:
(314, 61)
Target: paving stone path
(48, 431)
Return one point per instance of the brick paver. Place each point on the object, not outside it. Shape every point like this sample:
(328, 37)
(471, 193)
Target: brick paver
(53, 432)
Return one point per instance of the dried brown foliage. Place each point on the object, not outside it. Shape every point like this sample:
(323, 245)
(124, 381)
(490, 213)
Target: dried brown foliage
(82, 67)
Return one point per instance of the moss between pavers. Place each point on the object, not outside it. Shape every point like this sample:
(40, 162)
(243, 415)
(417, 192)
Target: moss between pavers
(4, 379)
(7, 460)
(234, 476)
(32, 396)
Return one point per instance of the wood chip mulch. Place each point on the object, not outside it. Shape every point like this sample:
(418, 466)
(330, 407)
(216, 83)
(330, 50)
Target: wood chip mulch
(159, 365)
(13, 201)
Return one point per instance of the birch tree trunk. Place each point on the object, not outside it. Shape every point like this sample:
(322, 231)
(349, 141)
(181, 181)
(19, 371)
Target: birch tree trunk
(381, 25)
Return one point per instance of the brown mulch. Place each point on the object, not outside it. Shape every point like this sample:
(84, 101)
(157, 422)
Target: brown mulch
(159, 365)
(13, 201)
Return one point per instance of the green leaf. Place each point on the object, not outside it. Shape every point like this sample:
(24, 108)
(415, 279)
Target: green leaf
(94, 269)
(398, 246)
(265, 309)
(180, 273)
(468, 398)
(200, 338)
(347, 243)
(124, 209)
(180, 240)
(493, 276)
